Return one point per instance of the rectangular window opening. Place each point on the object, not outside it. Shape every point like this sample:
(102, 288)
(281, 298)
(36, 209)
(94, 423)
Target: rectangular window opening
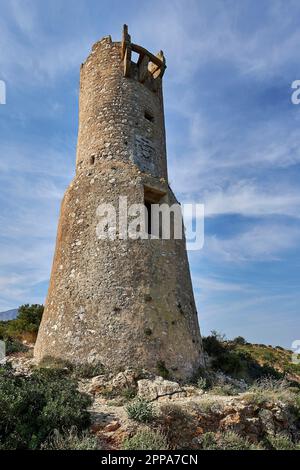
(152, 196)
(149, 116)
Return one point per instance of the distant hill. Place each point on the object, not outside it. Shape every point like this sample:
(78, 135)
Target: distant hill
(9, 315)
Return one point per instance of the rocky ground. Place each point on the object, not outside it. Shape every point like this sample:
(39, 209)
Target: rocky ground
(183, 413)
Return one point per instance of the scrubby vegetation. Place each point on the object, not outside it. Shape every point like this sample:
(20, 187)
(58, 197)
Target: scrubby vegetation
(268, 389)
(248, 361)
(225, 441)
(281, 442)
(23, 328)
(140, 410)
(232, 404)
(31, 408)
(146, 439)
(71, 440)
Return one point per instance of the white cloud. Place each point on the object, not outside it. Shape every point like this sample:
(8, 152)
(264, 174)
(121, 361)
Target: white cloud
(211, 285)
(38, 57)
(250, 199)
(193, 33)
(263, 242)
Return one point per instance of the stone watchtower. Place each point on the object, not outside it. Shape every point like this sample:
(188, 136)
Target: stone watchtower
(123, 302)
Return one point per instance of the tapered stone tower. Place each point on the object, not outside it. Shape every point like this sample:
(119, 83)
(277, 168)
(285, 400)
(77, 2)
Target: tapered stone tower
(124, 302)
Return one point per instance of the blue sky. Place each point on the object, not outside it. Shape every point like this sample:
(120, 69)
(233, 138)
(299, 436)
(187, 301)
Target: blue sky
(233, 139)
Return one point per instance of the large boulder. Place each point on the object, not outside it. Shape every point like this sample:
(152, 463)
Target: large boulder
(159, 389)
(117, 383)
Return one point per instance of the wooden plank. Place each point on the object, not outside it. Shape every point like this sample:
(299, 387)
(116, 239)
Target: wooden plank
(141, 50)
(127, 62)
(143, 68)
(126, 40)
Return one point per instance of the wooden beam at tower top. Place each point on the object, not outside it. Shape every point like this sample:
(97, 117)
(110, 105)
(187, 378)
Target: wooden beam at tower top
(127, 47)
(126, 41)
(153, 58)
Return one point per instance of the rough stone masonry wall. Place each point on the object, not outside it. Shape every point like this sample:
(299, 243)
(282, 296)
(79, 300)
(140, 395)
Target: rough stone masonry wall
(125, 302)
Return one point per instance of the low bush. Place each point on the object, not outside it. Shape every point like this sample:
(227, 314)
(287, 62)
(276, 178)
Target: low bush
(146, 440)
(24, 327)
(295, 405)
(140, 410)
(28, 320)
(234, 359)
(177, 424)
(210, 405)
(173, 412)
(70, 440)
(228, 440)
(14, 346)
(213, 344)
(239, 340)
(129, 393)
(225, 390)
(32, 407)
(202, 383)
(202, 379)
(268, 389)
(282, 442)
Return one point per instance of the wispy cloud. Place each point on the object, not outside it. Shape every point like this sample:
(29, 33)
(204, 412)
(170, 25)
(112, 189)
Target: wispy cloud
(262, 242)
(232, 134)
(32, 55)
(250, 199)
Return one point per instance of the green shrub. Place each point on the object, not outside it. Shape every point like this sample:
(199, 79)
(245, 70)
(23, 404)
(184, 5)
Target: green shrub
(225, 390)
(140, 410)
(146, 440)
(235, 359)
(28, 320)
(128, 393)
(270, 383)
(295, 405)
(202, 378)
(229, 362)
(173, 412)
(210, 405)
(32, 407)
(25, 326)
(268, 390)
(239, 340)
(70, 440)
(212, 344)
(282, 442)
(202, 383)
(14, 346)
(228, 440)
(177, 424)
(29, 317)
(259, 396)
